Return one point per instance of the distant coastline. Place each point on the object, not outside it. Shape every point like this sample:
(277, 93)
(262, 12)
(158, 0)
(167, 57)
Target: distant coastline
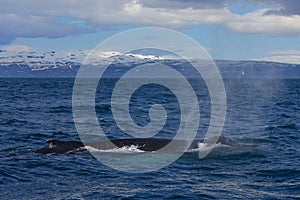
(65, 65)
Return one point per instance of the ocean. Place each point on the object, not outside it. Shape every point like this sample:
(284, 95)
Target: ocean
(262, 112)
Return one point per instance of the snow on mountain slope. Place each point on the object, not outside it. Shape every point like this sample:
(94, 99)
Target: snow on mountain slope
(67, 63)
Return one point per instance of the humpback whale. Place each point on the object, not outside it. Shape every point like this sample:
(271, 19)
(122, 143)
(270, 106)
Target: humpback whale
(144, 144)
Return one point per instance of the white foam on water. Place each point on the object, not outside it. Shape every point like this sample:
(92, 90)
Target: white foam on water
(205, 146)
(135, 148)
(125, 149)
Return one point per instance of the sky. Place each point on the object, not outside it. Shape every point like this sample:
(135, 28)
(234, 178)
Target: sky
(227, 29)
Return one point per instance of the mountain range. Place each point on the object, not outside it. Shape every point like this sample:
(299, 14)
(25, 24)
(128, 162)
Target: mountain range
(56, 64)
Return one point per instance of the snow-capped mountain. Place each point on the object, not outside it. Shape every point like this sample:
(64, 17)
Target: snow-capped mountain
(59, 63)
(67, 63)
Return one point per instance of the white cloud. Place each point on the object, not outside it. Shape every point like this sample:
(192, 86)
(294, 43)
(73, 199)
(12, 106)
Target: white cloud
(133, 8)
(284, 56)
(259, 22)
(32, 18)
(293, 59)
(17, 48)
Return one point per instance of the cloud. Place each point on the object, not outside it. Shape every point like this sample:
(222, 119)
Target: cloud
(182, 4)
(293, 59)
(284, 56)
(258, 22)
(14, 25)
(286, 7)
(17, 48)
(32, 18)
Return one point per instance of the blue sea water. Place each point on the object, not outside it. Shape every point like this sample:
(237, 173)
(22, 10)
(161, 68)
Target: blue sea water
(259, 111)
